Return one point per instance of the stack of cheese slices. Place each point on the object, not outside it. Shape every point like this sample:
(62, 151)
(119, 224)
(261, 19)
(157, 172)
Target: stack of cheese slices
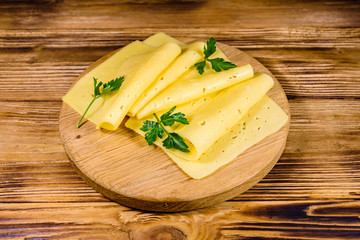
(228, 111)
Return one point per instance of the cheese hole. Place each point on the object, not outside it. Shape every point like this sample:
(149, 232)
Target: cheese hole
(204, 90)
(202, 123)
(259, 128)
(239, 111)
(110, 115)
(268, 107)
(186, 68)
(122, 107)
(162, 78)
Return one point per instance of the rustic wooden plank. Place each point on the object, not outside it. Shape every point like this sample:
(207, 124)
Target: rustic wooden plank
(251, 38)
(33, 163)
(47, 73)
(230, 220)
(129, 14)
(311, 46)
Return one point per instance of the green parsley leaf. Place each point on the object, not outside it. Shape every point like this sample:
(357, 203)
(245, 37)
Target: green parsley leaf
(157, 129)
(108, 87)
(169, 120)
(219, 63)
(148, 125)
(113, 85)
(155, 132)
(200, 66)
(175, 141)
(210, 47)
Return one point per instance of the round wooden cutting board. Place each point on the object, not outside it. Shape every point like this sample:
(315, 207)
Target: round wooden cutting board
(120, 164)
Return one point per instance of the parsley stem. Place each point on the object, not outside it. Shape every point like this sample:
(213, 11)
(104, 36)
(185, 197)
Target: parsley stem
(92, 101)
(160, 123)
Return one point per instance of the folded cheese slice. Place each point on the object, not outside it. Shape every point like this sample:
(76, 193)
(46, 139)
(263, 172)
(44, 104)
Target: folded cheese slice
(81, 93)
(215, 118)
(185, 90)
(262, 120)
(161, 38)
(177, 68)
(222, 113)
(140, 67)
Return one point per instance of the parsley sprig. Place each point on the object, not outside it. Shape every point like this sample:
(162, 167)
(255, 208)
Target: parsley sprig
(157, 129)
(217, 64)
(108, 87)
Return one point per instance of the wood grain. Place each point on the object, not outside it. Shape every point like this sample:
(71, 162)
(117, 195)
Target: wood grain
(308, 62)
(312, 47)
(123, 168)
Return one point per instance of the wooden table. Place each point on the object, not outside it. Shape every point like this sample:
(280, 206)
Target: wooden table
(313, 48)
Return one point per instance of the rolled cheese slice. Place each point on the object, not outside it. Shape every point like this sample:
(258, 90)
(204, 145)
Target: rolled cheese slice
(139, 73)
(215, 118)
(185, 90)
(177, 68)
(262, 120)
(161, 38)
(193, 73)
(221, 114)
(140, 70)
(81, 93)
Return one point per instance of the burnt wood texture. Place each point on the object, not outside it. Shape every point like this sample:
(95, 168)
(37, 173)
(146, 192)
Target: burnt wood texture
(312, 48)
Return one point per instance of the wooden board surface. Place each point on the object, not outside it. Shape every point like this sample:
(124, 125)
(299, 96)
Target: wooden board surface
(313, 49)
(123, 168)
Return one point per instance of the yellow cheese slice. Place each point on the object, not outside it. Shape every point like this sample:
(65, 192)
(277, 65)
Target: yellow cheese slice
(222, 113)
(262, 120)
(189, 89)
(81, 94)
(193, 73)
(161, 38)
(140, 70)
(215, 118)
(178, 67)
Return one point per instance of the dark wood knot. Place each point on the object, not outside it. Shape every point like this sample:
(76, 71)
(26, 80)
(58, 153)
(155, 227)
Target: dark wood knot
(163, 233)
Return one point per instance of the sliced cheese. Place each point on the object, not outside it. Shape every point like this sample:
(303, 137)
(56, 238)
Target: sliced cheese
(193, 73)
(140, 70)
(217, 117)
(177, 68)
(81, 94)
(161, 38)
(262, 120)
(189, 89)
